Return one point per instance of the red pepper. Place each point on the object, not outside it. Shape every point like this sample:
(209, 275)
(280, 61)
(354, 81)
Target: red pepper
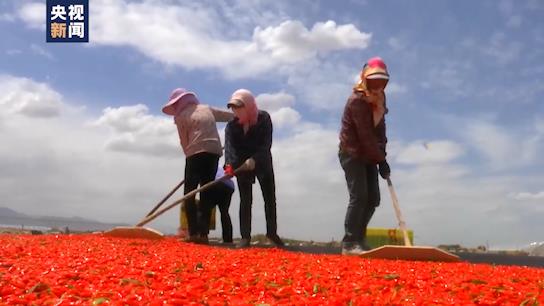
(76, 269)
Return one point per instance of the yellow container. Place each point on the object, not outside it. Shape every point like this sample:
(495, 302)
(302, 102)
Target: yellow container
(183, 217)
(376, 237)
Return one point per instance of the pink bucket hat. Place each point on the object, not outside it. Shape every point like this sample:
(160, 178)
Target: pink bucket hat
(177, 96)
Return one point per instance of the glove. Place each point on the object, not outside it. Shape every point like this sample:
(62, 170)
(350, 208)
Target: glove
(229, 170)
(384, 169)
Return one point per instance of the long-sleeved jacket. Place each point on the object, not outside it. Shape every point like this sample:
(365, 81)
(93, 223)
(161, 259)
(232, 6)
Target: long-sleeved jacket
(358, 135)
(197, 129)
(256, 143)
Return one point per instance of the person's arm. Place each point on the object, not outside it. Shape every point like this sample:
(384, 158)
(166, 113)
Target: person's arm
(221, 115)
(364, 123)
(383, 166)
(231, 156)
(263, 150)
(382, 139)
(381, 128)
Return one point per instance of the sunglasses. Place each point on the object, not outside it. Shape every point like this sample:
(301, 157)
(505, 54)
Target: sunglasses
(233, 106)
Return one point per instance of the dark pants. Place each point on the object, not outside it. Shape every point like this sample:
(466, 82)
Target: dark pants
(364, 197)
(268, 189)
(220, 195)
(199, 170)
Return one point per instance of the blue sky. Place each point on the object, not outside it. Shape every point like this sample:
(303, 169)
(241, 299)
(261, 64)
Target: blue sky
(466, 125)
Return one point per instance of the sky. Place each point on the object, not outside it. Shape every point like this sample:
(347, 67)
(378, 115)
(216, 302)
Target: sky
(83, 134)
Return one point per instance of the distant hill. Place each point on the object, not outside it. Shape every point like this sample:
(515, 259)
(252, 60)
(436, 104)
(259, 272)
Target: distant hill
(8, 212)
(13, 218)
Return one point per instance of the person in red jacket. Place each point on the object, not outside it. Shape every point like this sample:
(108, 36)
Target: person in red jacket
(362, 152)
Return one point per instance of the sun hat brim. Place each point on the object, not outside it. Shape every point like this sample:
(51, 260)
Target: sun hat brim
(170, 107)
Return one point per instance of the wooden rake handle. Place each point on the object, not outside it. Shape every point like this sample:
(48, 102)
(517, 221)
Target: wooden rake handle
(396, 205)
(165, 198)
(191, 194)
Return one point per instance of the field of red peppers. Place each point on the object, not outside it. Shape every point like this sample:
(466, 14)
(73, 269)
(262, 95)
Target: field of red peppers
(94, 270)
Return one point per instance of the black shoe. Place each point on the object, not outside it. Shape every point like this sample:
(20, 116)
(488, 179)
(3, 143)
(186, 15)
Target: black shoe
(276, 240)
(203, 239)
(244, 243)
(363, 245)
(197, 239)
(192, 239)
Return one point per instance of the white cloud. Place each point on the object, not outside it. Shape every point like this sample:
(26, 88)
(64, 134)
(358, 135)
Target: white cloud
(192, 36)
(7, 17)
(322, 86)
(448, 75)
(13, 52)
(503, 49)
(275, 101)
(539, 125)
(285, 117)
(506, 6)
(25, 97)
(396, 43)
(133, 130)
(126, 118)
(279, 105)
(395, 88)
(431, 152)
(528, 196)
(501, 148)
(174, 35)
(309, 178)
(33, 14)
(41, 51)
(431, 198)
(514, 21)
(292, 42)
(526, 92)
(65, 170)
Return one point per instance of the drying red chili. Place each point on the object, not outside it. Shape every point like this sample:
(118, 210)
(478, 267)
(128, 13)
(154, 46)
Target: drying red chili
(94, 270)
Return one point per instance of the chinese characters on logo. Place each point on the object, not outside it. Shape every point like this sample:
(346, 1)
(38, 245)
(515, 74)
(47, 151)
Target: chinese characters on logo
(67, 21)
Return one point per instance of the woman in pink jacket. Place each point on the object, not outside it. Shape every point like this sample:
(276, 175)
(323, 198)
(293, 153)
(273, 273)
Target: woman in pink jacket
(200, 141)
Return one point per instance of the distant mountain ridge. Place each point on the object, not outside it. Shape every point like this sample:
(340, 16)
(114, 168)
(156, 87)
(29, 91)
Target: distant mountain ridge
(8, 212)
(13, 218)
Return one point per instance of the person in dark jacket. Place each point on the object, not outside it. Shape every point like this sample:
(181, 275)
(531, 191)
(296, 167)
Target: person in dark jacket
(248, 138)
(221, 195)
(362, 152)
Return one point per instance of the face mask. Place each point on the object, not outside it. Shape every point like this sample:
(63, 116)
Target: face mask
(376, 84)
(375, 90)
(241, 114)
(375, 96)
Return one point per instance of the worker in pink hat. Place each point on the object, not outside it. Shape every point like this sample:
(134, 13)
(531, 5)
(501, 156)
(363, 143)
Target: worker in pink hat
(200, 142)
(362, 152)
(248, 139)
